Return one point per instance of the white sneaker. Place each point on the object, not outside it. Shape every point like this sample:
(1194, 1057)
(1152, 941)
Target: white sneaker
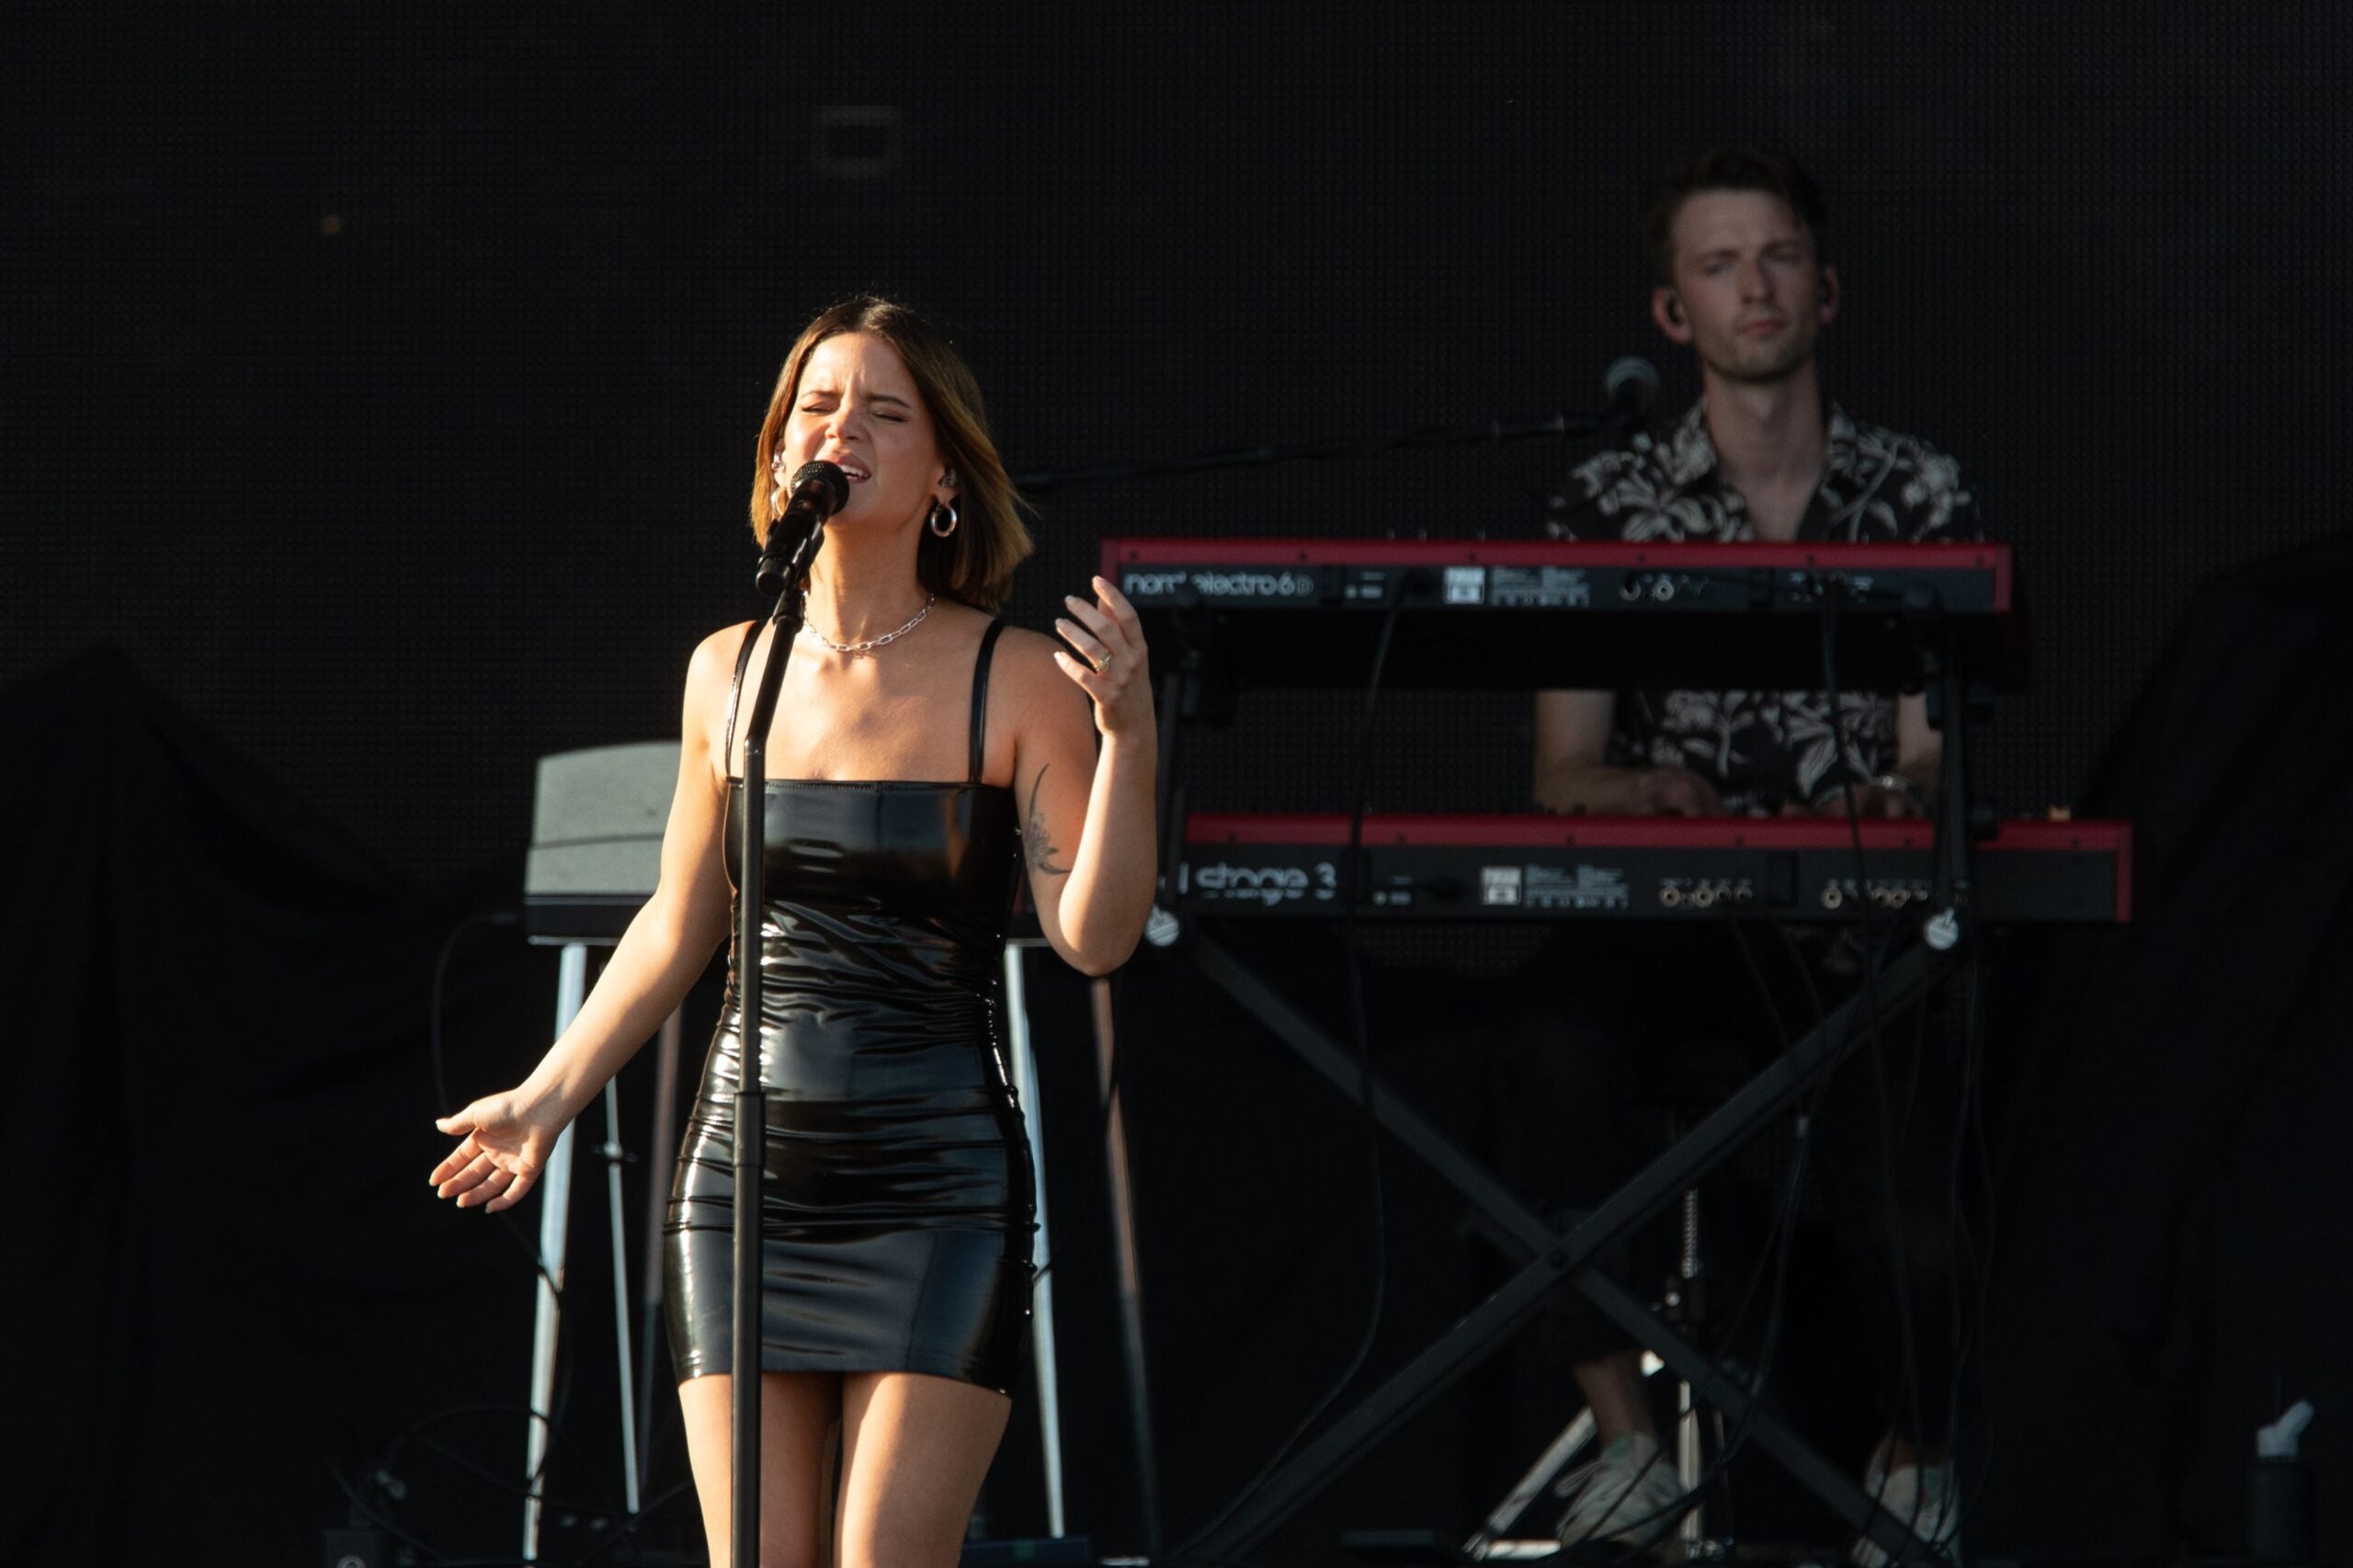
(1929, 1499)
(1627, 1495)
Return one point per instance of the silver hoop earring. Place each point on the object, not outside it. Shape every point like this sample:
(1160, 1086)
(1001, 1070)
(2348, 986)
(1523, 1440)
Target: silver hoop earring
(936, 531)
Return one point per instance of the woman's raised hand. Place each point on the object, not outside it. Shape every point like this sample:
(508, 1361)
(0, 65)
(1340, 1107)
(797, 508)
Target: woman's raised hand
(505, 1141)
(1109, 663)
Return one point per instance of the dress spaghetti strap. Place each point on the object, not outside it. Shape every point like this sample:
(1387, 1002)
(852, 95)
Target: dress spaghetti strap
(735, 695)
(980, 699)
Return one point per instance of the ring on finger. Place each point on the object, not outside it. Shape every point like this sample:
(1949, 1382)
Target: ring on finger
(1103, 663)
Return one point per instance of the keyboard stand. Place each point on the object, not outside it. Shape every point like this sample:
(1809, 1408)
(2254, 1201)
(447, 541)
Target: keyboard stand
(1200, 688)
(1550, 1255)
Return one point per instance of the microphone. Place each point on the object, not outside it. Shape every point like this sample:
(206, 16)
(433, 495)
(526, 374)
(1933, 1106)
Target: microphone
(1632, 385)
(819, 490)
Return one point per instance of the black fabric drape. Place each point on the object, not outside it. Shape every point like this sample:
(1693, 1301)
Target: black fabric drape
(2173, 1222)
(225, 1270)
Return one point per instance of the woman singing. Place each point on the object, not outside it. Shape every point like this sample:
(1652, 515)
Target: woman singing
(921, 751)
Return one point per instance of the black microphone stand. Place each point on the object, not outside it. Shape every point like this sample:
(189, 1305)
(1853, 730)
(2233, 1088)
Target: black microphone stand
(1494, 433)
(751, 1098)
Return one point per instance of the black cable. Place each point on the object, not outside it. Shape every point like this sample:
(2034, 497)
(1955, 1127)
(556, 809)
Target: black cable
(1107, 1101)
(1737, 926)
(1963, 1242)
(500, 917)
(1876, 1040)
(631, 1524)
(1779, 1241)
(1784, 1225)
(414, 1430)
(1783, 1229)
(1783, 1232)
(1352, 884)
(362, 1510)
(1805, 1121)
(1973, 1113)
(624, 1523)
(1912, 1080)
(1690, 1497)
(1495, 432)
(559, 1404)
(1667, 1518)
(604, 1505)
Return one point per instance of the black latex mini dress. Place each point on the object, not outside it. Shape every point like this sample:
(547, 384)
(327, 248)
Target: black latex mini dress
(897, 1208)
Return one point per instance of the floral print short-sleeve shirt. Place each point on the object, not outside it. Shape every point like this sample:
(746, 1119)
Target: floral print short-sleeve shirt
(1762, 749)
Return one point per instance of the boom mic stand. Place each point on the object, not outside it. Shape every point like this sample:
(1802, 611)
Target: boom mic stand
(751, 1098)
(1558, 428)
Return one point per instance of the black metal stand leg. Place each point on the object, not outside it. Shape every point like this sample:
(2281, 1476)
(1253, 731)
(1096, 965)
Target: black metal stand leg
(1709, 1381)
(1526, 1230)
(1131, 1272)
(1559, 1254)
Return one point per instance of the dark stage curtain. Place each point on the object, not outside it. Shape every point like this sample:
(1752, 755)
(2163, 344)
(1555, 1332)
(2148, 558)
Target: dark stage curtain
(2173, 1223)
(226, 1274)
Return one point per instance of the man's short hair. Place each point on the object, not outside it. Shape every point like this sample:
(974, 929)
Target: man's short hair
(1727, 168)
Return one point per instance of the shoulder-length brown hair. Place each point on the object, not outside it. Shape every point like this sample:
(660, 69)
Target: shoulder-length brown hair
(975, 563)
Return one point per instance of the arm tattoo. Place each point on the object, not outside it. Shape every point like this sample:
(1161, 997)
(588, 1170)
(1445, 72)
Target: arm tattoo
(1041, 846)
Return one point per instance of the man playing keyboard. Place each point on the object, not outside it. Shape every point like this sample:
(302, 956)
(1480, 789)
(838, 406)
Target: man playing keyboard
(1735, 234)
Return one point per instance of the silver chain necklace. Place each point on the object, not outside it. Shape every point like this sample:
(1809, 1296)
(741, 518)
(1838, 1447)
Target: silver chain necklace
(872, 642)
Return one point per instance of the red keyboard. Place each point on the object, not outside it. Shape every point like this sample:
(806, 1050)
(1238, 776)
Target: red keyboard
(1537, 613)
(1573, 868)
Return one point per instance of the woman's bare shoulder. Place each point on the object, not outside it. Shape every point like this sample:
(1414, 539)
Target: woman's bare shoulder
(1026, 659)
(1031, 651)
(1039, 701)
(714, 656)
(710, 672)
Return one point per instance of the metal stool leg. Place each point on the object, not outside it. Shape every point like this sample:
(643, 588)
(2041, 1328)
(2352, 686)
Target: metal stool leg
(1690, 1308)
(663, 1144)
(1041, 1322)
(1131, 1274)
(628, 1385)
(556, 1205)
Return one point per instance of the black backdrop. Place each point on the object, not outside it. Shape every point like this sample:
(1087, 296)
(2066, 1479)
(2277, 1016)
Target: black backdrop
(382, 382)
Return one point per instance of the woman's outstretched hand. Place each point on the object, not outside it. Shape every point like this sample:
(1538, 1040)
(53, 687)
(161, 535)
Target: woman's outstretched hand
(505, 1141)
(1109, 663)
